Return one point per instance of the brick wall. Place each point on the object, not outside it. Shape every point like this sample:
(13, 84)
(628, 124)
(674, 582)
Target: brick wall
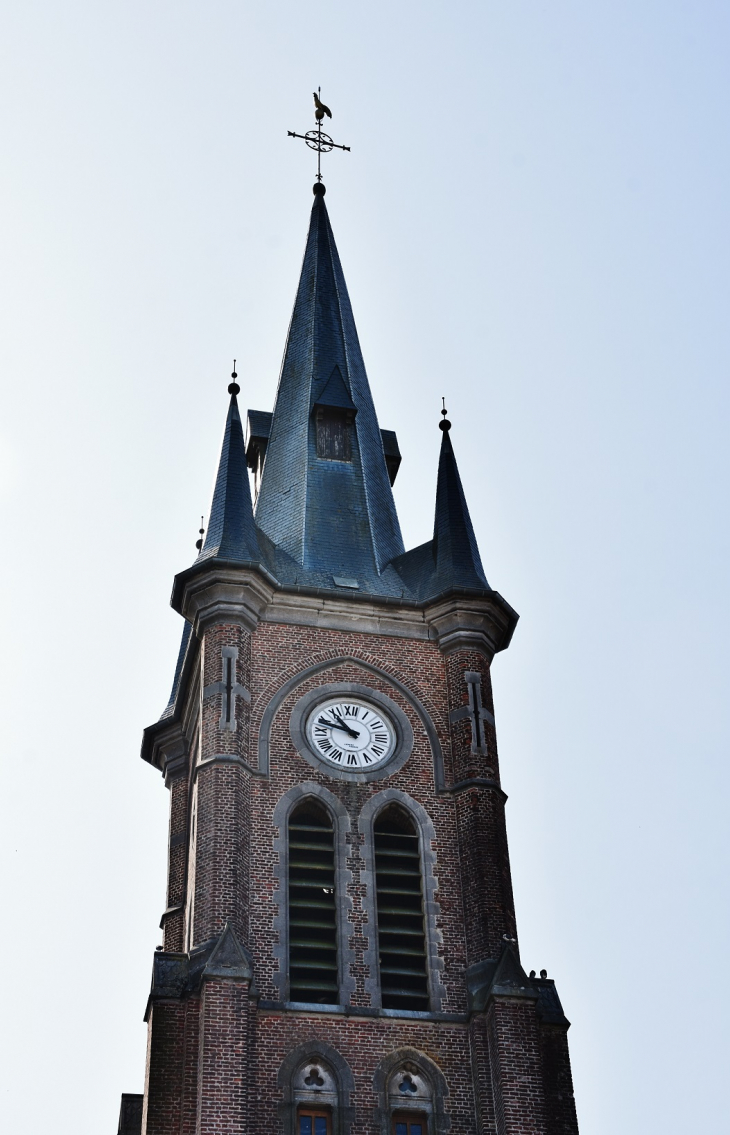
(214, 1056)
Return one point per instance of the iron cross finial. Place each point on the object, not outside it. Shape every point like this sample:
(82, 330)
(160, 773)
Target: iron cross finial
(317, 139)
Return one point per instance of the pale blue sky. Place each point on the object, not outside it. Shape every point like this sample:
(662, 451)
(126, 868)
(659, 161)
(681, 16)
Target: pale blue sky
(533, 222)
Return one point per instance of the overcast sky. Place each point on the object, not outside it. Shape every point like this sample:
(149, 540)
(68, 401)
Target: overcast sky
(532, 222)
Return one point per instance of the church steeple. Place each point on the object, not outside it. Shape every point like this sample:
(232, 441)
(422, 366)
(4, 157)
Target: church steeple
(325, 496)
(330, 683)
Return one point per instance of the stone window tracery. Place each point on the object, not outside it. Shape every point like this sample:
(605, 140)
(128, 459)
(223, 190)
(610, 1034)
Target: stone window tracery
(315, 1097)
(317, 1087)
(409, 1097)
(411, 1093)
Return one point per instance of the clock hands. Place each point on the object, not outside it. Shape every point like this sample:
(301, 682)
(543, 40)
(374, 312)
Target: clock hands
(370, 741)
(347, 728)
(338, 723)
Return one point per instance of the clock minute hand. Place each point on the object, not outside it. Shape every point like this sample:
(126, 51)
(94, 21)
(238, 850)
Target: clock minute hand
(347, 728)
(338, 723)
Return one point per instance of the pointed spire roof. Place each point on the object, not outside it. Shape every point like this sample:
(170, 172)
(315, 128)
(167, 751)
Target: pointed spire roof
(231, 534)
(498, 977)
(455, 551)
(231, 537)
(451, 561)
(333, 517)
(228, 958)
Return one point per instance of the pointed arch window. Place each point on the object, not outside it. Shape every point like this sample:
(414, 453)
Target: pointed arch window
(410, 1125)
(313, 1121)
(313, 968)
(399, 891)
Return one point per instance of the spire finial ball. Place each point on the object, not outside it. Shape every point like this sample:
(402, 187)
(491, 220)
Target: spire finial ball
(233, 387)
(445, 424)
(318, 189)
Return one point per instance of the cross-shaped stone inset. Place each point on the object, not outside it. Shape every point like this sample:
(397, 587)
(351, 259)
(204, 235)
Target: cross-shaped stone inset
(475, 711)
(229, 688)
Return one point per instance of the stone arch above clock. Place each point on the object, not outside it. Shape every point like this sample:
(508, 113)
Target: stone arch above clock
(396, 714)
(360, 694)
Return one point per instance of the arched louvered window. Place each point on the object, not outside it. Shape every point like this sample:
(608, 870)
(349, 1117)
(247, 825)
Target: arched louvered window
(312, 914)
(401, 937)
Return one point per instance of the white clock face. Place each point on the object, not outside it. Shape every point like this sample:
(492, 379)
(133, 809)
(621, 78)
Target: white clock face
(351, 734)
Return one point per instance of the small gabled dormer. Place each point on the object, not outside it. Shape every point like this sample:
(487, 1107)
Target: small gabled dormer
(334, 414)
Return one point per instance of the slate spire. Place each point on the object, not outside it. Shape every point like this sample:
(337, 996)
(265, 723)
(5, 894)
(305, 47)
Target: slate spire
(330, 516)
(231, 534)
(455, 552)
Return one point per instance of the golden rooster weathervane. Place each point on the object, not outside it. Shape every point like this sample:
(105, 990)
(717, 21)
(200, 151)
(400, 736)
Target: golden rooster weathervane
(317, 139)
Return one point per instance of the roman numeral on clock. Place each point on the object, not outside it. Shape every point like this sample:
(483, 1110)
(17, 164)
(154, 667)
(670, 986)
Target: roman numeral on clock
(365, 737)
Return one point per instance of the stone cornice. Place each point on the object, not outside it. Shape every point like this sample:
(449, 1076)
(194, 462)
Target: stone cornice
(471, 622)
(216, 592)
(225, 594)
(165, 746)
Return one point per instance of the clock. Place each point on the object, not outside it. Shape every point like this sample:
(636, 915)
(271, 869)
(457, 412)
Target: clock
(351, 733)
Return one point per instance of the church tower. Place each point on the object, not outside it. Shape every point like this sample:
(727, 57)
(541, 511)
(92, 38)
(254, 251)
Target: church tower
(340, 951)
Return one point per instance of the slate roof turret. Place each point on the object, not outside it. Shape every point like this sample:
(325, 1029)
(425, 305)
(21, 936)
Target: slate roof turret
(451, 561)
(231, 533)
(455, 552)
(231, 536)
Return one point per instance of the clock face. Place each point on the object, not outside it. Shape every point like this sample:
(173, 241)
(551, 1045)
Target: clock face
(351, 734)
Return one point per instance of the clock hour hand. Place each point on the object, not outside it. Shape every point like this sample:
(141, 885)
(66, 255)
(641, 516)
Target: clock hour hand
(343, 725)
(338, 723)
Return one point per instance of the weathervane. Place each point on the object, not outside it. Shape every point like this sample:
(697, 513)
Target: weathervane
(317, 139)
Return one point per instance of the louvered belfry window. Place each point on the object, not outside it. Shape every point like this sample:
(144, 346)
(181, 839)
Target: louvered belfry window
(401, 938)
(333, 435)
(312, 915)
